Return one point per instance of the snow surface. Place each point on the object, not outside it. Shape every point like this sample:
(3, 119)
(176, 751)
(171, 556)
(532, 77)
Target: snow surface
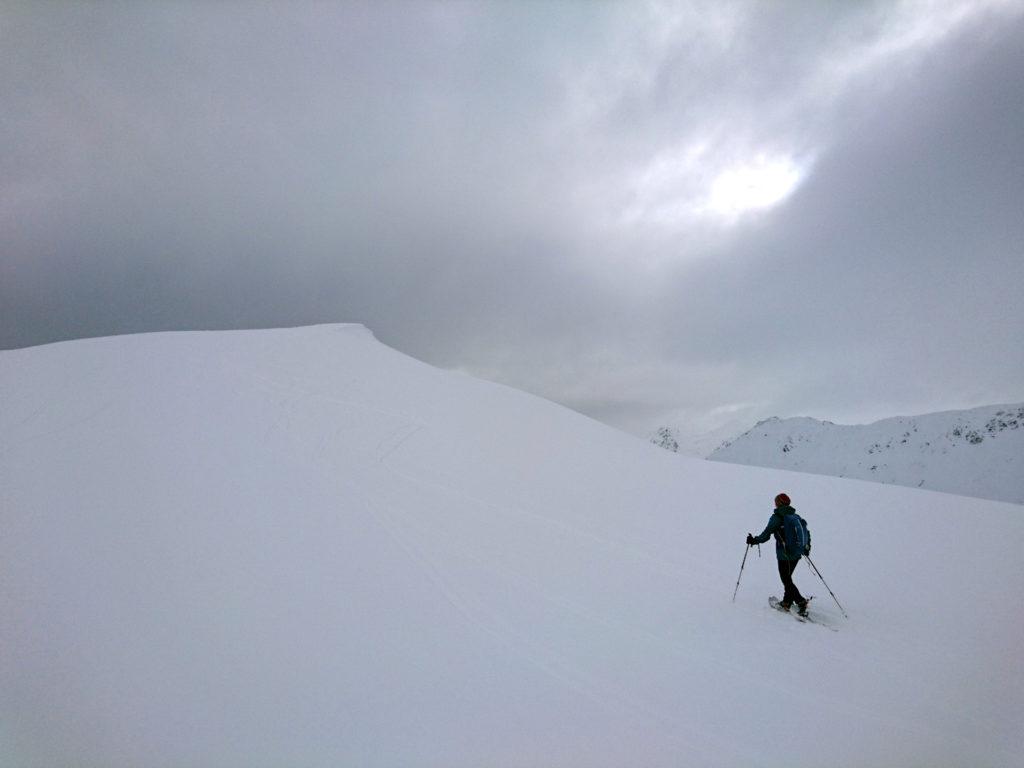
(978, 452)
(697, 444)
(299, 547)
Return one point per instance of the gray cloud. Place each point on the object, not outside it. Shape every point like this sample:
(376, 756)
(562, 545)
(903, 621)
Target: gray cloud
(551, 195)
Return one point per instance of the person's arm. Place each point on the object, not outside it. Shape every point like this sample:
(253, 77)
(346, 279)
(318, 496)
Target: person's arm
(773, 525)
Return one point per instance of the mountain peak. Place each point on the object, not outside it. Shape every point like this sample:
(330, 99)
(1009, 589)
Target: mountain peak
(976, 452)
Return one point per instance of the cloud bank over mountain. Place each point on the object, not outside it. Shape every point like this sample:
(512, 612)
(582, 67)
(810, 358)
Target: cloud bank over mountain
(653, 213)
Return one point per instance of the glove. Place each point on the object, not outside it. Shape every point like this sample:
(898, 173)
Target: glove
(750, 540)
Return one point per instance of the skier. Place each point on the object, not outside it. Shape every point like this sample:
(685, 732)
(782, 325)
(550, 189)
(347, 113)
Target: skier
(787, 560)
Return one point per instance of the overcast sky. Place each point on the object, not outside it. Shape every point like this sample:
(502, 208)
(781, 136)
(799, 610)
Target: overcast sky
(692, 214)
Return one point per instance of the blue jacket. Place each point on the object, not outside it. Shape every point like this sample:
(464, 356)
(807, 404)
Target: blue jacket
(774, 528)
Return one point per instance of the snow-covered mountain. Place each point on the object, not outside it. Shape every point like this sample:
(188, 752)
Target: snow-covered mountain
(667, 438)
(978, 452)
(300, 547)
(697, 444)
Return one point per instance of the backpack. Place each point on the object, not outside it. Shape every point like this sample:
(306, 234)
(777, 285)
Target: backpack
(796, 536)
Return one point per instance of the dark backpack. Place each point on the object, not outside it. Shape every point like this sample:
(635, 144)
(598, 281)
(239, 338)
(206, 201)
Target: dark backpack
(796, 536)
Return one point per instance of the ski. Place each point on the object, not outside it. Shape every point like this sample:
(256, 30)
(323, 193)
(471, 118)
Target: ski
(775, 603)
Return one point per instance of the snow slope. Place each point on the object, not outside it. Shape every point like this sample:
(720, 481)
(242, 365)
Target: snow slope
(299, 547)
(696, 444)
(979, 452)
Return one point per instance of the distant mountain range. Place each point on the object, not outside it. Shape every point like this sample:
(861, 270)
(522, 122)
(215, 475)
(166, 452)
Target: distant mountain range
(977, 452)
(699, 444)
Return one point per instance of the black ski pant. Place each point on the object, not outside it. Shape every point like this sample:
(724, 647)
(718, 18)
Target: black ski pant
(792, 594)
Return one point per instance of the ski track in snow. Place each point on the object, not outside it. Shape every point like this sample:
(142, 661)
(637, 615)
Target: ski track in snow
(549, 661)
(500, 629)
(662, 566)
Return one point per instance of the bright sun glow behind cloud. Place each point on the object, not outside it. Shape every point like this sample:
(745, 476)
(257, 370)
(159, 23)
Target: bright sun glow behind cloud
(756, 185)
(692, 185)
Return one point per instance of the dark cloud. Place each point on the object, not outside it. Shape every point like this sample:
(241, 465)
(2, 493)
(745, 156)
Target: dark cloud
(529, 192)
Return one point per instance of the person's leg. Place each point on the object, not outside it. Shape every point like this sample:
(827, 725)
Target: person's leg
(787, 583)
(797, 597)
(792, 594)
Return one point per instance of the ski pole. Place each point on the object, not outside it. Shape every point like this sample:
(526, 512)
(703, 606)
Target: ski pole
(826, 585)
(741, 573)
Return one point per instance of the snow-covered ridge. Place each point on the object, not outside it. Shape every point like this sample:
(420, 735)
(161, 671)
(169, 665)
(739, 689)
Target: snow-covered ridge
(696, 444)
(300, 547)
(977, 452)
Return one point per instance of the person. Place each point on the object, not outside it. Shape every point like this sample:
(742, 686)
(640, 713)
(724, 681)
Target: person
(787, 560)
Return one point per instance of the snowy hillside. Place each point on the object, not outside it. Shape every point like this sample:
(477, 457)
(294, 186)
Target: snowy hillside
(696, 444)
(979, 452)
(300, 547)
